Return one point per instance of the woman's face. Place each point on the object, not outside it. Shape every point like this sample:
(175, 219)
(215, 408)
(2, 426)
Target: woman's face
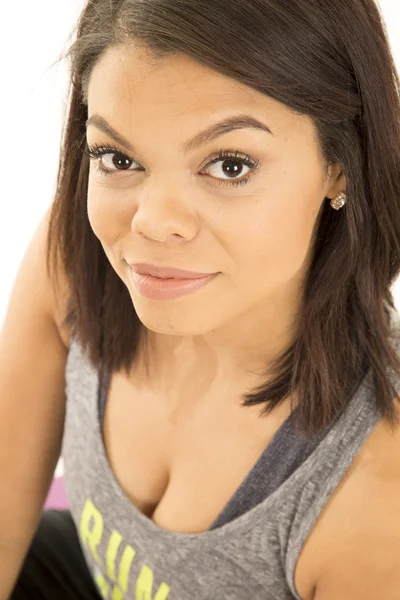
(163, 203)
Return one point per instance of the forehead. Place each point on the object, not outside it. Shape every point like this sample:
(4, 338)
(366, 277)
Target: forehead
(127, 81)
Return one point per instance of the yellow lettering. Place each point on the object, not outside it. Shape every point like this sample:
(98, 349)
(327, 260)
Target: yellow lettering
(91, 536)
(102, 585)
(144, 586)
(112, 549)
(117, 594)
(125, 564)
(125, 567)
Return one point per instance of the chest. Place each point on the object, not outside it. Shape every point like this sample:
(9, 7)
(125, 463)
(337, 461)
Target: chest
(180, 465)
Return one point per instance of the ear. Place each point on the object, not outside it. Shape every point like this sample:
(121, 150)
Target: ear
(336, 181)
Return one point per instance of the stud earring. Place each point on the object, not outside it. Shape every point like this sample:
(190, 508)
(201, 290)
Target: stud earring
(339, 201)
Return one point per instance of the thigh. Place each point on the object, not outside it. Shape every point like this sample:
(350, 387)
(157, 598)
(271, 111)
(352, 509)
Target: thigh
(55, 566)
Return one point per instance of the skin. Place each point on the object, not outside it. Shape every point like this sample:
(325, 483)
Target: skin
(259, 236)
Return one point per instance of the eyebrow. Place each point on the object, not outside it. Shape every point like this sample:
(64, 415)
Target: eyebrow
(208, 135)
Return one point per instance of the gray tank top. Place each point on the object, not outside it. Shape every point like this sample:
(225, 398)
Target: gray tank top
(251, 549)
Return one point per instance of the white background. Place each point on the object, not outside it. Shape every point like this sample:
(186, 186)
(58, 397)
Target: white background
(32, 102)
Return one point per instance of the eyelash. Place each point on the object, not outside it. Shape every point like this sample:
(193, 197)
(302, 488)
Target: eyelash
(96, 152)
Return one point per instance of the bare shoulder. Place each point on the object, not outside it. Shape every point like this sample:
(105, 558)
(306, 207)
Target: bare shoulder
(60, 307)
(60, 290)
(353, 550)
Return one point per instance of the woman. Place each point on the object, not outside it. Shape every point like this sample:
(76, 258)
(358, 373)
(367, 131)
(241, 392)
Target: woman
(229, 432)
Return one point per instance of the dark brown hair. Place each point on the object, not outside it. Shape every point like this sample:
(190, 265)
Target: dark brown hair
(328, 60)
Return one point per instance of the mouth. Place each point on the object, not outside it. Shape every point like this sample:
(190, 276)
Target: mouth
(166, 273)
(157, 288)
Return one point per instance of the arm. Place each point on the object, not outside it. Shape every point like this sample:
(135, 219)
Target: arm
(364, 562)
(32, 408)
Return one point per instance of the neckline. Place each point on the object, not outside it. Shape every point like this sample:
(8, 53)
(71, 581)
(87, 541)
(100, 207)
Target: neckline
(327, 446)
(272, 446)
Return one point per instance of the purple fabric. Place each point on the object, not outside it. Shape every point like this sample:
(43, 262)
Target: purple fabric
(56, 497)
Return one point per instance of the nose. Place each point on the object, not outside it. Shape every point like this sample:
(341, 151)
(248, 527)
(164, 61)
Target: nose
(160, 218)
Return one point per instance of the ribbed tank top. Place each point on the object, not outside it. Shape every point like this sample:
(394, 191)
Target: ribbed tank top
(251, 549)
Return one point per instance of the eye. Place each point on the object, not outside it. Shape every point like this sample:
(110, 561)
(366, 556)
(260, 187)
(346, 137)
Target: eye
(232, 165)
(109, 160)
(113, 159)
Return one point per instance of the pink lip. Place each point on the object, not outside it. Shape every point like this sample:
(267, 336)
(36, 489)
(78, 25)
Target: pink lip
(167, 289)
(166, 272)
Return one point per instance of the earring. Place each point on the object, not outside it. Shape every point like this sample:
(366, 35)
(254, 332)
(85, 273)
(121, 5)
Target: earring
(339, 201)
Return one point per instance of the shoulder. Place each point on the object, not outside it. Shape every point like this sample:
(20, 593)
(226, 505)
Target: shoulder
(59, 289)
(51, 289)
(60, 310)
(357, 545)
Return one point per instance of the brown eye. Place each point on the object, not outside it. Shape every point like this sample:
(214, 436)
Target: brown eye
(116, 161)
(230, 167)
(108, 160)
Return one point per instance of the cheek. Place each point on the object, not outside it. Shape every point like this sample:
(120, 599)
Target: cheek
(273, 240)
(100, 211)
(94, 209)
(100, 219)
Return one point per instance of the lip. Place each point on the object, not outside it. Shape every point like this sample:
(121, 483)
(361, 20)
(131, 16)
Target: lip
(166, 272)
(168, 289)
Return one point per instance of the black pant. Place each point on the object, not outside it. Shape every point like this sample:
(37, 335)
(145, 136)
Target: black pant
(55, 567)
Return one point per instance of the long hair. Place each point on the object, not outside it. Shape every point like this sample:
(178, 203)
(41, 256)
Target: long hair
(329, 60)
